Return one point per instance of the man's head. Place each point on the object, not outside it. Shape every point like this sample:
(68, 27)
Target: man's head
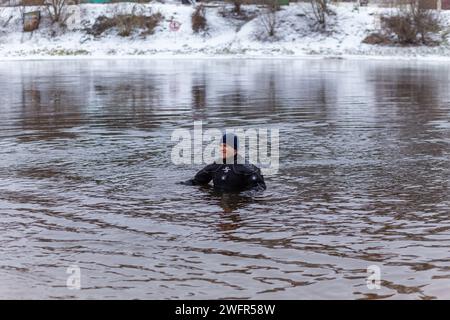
(229, 145)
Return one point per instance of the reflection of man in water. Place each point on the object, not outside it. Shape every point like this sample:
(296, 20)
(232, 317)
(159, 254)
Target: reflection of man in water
(231, 173)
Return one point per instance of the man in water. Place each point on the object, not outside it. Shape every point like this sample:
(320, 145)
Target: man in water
(230, 173)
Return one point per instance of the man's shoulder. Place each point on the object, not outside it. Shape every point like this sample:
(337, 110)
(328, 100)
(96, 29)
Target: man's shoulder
(212, 167)
(246, 168)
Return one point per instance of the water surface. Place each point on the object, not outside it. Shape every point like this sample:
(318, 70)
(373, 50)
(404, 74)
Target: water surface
(86, 179)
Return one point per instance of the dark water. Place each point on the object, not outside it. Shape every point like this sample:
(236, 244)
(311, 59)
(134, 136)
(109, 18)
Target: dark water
(86, 179)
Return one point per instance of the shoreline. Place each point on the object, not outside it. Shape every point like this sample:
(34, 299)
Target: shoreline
(225, 38)
(168, 56)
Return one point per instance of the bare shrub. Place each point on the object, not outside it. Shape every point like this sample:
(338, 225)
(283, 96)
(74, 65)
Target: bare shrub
(102, 24)
(5, 20)
(268, 21)
(127, 24)
(237, 5)
(320, 12)
(238, 12)
(401, 26)
(412, 24)
(57, 10)
(198, 19)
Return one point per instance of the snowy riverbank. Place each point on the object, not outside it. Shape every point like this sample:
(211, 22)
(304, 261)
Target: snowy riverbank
(225, 37)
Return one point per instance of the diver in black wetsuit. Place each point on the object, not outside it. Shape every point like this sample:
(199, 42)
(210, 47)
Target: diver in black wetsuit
(231, 173)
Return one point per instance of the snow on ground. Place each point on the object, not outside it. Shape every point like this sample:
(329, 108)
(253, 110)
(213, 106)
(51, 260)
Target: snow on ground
(228, 37)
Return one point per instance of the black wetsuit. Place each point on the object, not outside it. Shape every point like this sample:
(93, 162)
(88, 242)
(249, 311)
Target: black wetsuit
(232, 177)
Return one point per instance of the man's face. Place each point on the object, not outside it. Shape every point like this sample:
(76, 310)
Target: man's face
(226, 151)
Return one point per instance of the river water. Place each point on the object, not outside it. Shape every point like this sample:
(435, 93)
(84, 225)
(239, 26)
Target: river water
(87, 181)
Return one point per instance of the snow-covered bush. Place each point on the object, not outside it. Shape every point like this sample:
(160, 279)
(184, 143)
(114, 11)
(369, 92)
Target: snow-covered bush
(198, 18)
(321, 10)
(127, 24)
(268, 21)
(410, 24)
